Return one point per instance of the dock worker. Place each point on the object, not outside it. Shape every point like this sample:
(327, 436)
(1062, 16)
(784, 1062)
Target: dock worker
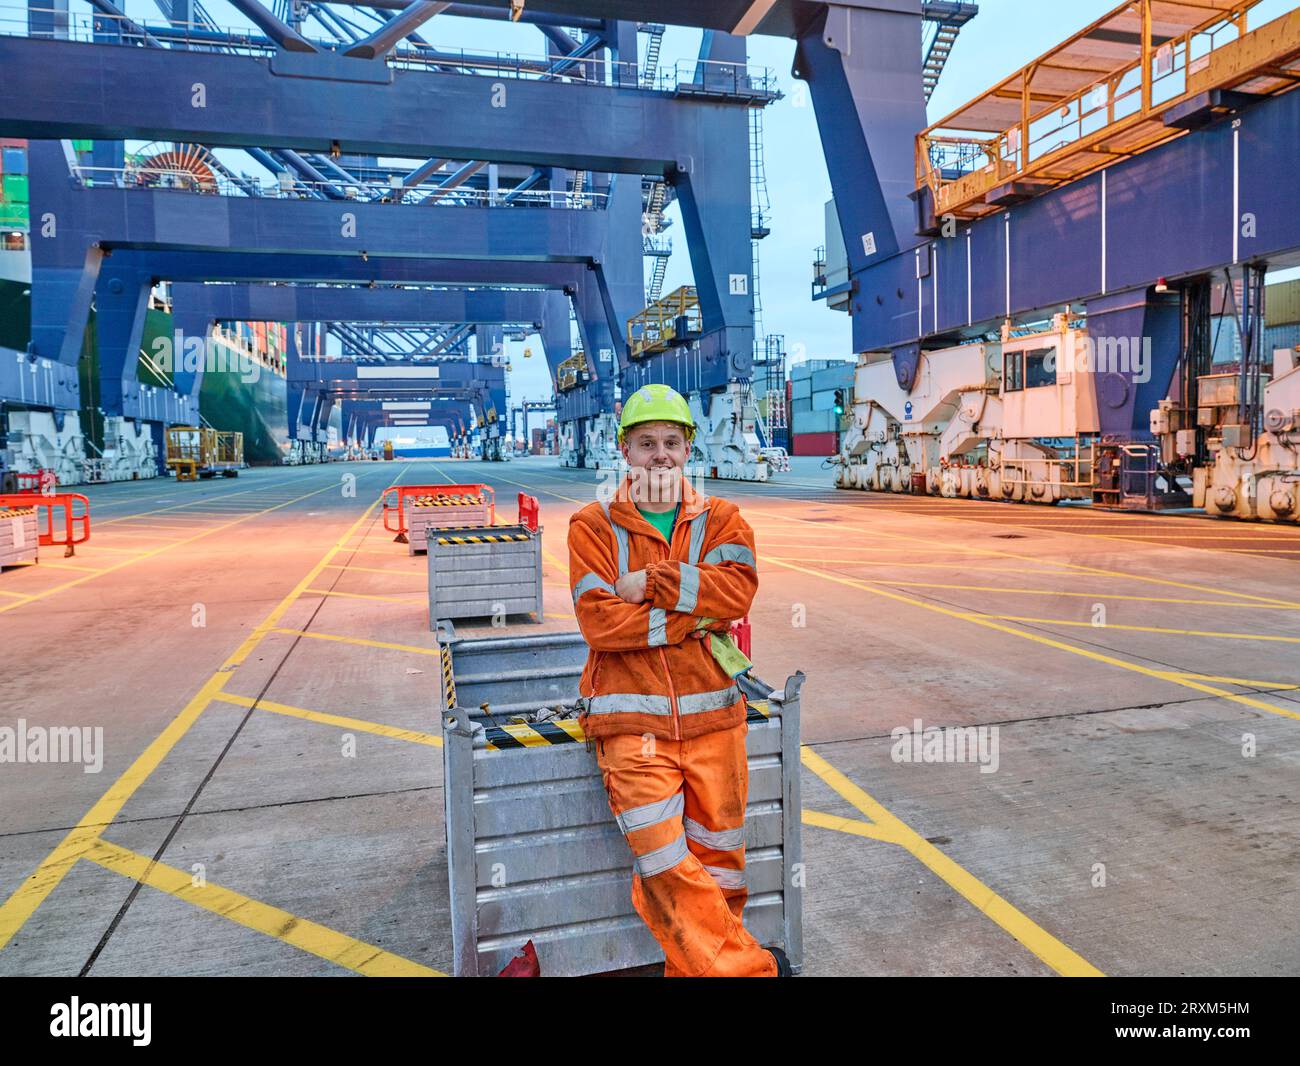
(653, 572)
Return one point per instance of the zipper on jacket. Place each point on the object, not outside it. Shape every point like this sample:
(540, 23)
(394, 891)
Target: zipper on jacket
(663, 656)
(672, 696)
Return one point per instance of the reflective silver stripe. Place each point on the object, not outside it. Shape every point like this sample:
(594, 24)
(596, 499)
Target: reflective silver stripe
(658, 627)
(651, 813)
(661, 859)
(620, 535)
(591, 581)
(630, 702)
(697, 702)
(689, 591)
(729, 553)
(699, 525)
(715, 840)
(727, 878)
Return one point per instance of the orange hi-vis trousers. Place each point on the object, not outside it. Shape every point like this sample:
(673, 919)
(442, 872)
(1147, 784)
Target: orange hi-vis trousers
(681, 807)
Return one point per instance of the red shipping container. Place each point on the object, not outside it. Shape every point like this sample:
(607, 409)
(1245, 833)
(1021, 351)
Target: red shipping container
(815, 443)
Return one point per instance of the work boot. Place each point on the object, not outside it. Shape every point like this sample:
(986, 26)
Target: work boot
(783, 968)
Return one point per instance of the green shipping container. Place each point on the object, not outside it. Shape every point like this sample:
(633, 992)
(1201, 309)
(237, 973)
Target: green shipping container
(13, 216)
(15, 186)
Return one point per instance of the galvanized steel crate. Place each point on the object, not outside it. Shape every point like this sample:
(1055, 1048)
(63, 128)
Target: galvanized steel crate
(437, 512)
(482, 571)
(19, 537)
(533, 851)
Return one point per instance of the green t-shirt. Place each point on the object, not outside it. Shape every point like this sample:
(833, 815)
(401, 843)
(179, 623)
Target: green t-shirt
(664, 521)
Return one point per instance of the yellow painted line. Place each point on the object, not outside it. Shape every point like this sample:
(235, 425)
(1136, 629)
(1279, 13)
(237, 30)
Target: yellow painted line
(838, 545)
(150, 552)
(361, 725)
(358, 595)
(548, 614)
(22, 903)
(1052, 951)
(1237, 681)
(1259, 551)
(46, 877)
(847, 825)
(372, 570)
(20, 595)
(60, 565)
(131, 536)
(1089, 595)
(954, 565)
(151, 527)
(191, 507)
(873, 531)
(95, 545)
(1138, 629)
(1037, 638)
(318, 940)
(413, 648)
(374, 551)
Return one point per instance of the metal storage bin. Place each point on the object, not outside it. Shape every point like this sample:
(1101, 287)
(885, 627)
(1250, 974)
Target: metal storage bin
(479, 571)
(454, 513)
(19, 537)
(533, 852)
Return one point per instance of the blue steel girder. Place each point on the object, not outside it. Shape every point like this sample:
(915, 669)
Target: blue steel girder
(207, 304)
(862, 65)
(576, 280)
(280, 102)
(150, 267)
(93, 222)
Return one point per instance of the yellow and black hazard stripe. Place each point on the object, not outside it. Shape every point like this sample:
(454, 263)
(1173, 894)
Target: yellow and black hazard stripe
(447, 501)
(16, 512)
(448, 678)
(567, 731)
(535, 735)
(494, 538)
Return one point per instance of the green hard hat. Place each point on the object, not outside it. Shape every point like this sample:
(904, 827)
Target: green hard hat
(656, 403)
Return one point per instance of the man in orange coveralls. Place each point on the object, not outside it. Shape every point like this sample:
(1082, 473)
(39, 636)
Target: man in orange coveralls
(653, 571)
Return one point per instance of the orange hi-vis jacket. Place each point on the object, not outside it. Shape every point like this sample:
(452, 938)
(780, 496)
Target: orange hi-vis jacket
(644, 672)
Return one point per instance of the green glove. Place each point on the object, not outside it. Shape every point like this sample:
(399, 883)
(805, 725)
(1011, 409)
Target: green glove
(729, 657)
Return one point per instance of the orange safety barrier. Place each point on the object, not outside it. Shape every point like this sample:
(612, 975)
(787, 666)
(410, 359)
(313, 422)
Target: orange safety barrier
(42, 480)
(529, 512)
(73, 523)
(395, 497)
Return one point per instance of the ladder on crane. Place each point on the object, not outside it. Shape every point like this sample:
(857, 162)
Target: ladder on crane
(654, 31)
(948, 16)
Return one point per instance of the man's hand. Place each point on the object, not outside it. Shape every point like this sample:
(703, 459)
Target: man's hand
(631, 586)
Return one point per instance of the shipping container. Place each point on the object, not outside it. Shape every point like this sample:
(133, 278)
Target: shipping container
(815, 444)
(1287, 336)
(800, 388)
(1282, 303)
(814, 421)
(15, 187)
(840, 377)
(15, 161)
